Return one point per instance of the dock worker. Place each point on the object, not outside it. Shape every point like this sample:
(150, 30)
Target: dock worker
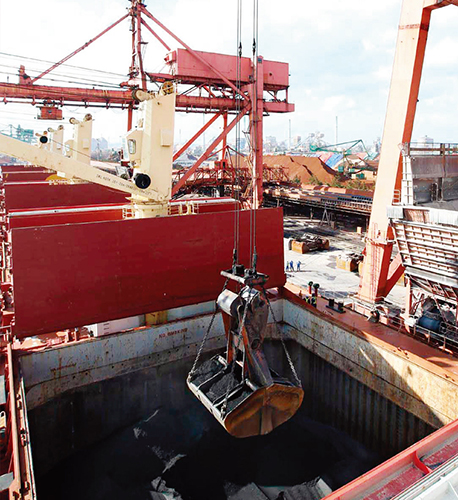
(298, 265)
(287, 265)
(291, 265)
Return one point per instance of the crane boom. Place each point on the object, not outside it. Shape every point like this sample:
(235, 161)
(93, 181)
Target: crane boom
(72, 168)
(149, 151)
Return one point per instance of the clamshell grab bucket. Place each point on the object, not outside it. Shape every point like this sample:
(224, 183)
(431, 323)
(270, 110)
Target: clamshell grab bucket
(247, 410)
(242, 392)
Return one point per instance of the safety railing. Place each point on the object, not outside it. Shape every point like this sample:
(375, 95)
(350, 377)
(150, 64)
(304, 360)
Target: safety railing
(433, 148)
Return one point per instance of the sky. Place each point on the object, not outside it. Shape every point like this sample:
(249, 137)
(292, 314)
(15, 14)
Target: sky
(340, 55)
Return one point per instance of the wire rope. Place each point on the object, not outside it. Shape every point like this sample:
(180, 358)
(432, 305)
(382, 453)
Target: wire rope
(236, 186)
(254, 142)
(92, 77)
(89, 83)
(67, 65)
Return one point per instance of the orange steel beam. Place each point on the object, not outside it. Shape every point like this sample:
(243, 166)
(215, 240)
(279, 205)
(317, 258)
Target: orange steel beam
(402, 102)
(208, 152)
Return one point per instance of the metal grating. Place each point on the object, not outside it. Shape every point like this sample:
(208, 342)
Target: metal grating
(430, 248)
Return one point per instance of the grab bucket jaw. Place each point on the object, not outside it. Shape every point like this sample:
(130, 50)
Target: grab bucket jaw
(240, 406)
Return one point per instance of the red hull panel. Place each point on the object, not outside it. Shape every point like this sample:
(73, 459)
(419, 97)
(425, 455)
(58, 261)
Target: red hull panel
(32, 219)
(25, 176)
(44, 195)
(77, 274)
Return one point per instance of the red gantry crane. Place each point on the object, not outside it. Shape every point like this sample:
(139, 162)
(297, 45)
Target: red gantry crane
(229, 87)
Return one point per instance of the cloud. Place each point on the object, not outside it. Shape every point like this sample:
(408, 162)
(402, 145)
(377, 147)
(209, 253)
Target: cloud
(334, 104)
(383, 73)
(443, 53)
(340, 55)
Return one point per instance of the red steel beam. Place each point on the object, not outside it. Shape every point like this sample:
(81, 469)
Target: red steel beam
(211, 104)
(196, 136)
(122, 98)
(198, 79)
(64, 94)
(148, 27)
(54, 66)
(207, 153)
(195, 54)
(139, 47)
(256, 131)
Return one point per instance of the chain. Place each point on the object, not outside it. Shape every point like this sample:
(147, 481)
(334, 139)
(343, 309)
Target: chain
(280, 333)
(201, 348)
(228, 388)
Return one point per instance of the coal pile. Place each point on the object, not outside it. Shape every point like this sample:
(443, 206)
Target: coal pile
(187, 455)
(206, 370)
(221, 387)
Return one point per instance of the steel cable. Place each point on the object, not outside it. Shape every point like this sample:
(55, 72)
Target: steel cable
(236, 186)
